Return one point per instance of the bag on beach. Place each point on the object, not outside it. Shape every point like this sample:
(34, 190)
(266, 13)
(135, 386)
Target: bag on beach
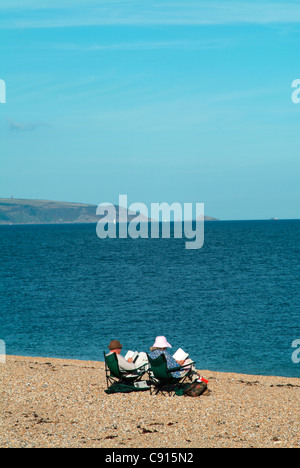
(195, 389)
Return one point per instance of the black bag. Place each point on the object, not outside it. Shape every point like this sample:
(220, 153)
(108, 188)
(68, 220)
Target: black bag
(195, 389)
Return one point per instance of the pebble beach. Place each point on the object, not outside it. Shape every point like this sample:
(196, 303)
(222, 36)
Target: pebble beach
(57, 403)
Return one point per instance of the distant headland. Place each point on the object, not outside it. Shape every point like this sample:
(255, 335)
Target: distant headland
(26, 211)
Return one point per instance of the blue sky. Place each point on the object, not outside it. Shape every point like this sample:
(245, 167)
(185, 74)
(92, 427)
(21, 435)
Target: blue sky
(163, 101)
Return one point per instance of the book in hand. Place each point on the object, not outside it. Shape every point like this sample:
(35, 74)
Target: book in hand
(180, 355)
(132, 354)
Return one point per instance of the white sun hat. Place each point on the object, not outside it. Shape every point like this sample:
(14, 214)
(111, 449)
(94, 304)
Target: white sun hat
(161, 342)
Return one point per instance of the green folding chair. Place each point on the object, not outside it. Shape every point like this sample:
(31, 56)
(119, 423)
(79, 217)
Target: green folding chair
(161, 377)
(116, 376)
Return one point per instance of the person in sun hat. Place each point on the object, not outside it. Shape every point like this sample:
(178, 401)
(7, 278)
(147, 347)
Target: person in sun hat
(160, 347)
(116, 347)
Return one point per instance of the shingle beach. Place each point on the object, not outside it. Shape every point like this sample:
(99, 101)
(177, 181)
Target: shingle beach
(48, 402)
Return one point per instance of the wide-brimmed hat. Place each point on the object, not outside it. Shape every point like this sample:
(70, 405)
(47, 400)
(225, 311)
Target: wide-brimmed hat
(161, 342)
(115, 344)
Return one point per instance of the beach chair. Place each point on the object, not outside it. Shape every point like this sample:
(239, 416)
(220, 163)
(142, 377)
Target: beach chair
(121, 378)
(161, 377)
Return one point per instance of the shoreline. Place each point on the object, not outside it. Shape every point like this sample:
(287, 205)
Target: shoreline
(78, 360)
(52, 402)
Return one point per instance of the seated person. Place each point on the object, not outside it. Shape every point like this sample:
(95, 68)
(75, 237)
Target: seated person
(116, 347)
(160, 347)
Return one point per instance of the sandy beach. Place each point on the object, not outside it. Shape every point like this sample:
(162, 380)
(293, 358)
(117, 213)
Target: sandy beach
(48, 402)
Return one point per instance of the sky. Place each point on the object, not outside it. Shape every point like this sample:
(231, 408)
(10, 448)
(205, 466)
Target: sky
(182, 101)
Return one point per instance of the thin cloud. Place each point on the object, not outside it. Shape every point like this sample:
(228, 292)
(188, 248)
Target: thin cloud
(148, 45)
(132, 12)
(23, 127)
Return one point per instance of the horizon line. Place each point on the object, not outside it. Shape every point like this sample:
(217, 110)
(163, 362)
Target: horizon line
(153, 220)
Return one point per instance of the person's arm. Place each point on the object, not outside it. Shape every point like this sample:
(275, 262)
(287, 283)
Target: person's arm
(125, 365)
(181, 363)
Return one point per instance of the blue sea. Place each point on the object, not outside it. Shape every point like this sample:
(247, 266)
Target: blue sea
(234, 305)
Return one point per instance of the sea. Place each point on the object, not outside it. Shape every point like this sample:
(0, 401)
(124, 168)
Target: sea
(233, 305)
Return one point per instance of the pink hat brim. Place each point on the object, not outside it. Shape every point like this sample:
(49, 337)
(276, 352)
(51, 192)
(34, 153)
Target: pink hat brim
(161, 342)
